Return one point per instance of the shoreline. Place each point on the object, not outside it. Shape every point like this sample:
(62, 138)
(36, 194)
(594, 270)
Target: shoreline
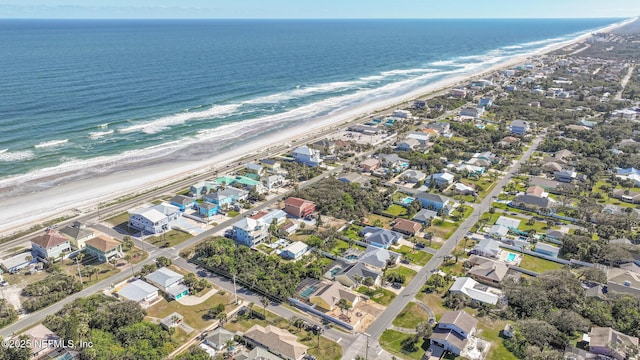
(24, 210)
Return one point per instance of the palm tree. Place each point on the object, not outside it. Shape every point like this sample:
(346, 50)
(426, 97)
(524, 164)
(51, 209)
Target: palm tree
(127, 258)
(222, 317)
(229, 345)
(265, 302)
(113, 261)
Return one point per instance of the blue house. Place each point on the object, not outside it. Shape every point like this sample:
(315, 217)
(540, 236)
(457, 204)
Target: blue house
(183, 202)
(207, 209)
(434, 201)
(379, 237)
(519, 127)
(485, 102)
(307, 156)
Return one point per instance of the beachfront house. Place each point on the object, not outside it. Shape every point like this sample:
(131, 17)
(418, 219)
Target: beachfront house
(202, 188)
(51, 244)
(78, 234)
(253, 168)
(155, 219)
(271, 165)
(104, 248)
(306, 155)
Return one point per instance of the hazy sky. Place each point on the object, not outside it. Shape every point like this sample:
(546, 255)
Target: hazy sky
(318, 8)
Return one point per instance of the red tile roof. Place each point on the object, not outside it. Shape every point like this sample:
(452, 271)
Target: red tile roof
(50, 239)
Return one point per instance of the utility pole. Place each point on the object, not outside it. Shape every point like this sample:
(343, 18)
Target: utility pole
(366, 354)
(234, 289)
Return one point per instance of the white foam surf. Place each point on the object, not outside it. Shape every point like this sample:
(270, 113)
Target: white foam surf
(11, 156)
(51, 143)
(163, 123)
(98, 134)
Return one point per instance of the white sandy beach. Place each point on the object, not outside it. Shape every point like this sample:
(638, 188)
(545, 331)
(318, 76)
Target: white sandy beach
(23, 210)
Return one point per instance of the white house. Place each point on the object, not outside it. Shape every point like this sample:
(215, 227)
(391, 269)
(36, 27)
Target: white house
(138, 291)
(476, 291)
(295, 250)
(155, 219)
(169, 281)
(307, 156)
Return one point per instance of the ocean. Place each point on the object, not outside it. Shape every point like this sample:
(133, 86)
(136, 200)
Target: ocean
(88, 96)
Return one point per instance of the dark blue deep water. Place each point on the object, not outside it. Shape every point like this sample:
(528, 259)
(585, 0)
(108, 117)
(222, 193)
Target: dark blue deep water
(79, 94)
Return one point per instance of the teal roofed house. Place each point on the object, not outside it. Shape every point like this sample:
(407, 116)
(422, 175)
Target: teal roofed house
(244, 181)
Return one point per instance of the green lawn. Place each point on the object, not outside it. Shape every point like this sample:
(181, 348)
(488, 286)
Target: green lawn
(443, 229)
(490, 330)
(417, 257)
(378, 295)
(194, 316)
(340, 247)
(538, 226)
(396, 210)
(119, 219)
(353, 232)
(173, 237)
(265, 248)
(403, 270)
(377, 220)
(434, 301)
(538, 265)
(411, 316)
(391, 341)
(232, 213)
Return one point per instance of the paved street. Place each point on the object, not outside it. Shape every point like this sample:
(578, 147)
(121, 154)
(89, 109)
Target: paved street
(385, 319)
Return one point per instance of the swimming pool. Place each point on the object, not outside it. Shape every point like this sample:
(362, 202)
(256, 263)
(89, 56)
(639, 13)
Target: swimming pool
(408, 200)
(351, 257)
(511, 257)
(308, 291)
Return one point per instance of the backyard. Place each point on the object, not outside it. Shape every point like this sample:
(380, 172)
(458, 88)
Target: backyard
(392, 341)
(417, 257)
(537, 264)
(169, 238)
(411, 316)
(195, 315)
(378, 294)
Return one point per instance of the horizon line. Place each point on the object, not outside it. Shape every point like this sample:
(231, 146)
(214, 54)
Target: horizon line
(318, 18)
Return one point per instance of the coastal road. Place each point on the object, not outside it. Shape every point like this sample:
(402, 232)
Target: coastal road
(625, 80)
(385, 319)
